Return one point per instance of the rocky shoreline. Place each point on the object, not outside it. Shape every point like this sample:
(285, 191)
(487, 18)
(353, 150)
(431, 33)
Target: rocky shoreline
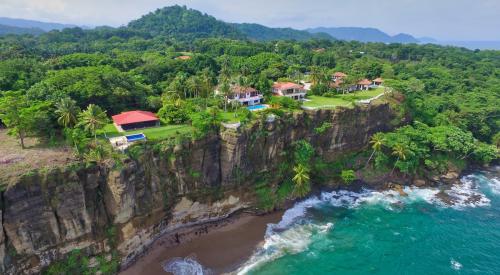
(219, 245)
(188, 236)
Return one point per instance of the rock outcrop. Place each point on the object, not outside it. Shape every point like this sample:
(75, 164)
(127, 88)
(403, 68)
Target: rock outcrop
(47, 214)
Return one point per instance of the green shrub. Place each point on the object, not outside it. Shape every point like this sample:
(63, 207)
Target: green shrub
(347, 176)
(323, 128)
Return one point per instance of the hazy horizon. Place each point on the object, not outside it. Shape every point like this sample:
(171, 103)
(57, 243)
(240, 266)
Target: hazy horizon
(445, 20)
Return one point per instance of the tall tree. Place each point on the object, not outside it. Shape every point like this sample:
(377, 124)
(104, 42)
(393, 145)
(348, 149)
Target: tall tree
(92, 119)
(377, 141)
(24, 118)
(400, 152)
(301, 180)
(67, 112)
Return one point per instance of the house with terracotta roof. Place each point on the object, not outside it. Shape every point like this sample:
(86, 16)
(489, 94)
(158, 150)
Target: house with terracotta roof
(289, 89)
(135, 120)
(338, 76)
(377, 82)
(245, 95)
(364, 84)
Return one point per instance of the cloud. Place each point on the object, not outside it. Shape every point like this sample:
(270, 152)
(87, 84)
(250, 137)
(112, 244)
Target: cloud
(444, 19)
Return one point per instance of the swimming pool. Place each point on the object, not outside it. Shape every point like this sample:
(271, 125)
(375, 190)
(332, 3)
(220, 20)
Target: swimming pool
(257, 107)
(135, 137)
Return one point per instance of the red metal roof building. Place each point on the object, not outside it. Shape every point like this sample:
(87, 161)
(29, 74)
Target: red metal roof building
(135, 120)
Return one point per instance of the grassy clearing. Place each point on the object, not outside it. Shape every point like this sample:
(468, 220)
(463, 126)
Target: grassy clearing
(326, 102)
(155, 133)
(345, 100)
(15, 161)
(230, 117)
(360, 95)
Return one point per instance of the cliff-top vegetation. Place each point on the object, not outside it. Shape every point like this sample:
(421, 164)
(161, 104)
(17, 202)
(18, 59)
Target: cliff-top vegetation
(61, 87)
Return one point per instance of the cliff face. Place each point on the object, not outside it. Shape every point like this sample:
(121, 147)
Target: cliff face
(48, 214)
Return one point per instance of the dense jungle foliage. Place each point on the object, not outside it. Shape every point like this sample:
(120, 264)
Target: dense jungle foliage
(448, 91)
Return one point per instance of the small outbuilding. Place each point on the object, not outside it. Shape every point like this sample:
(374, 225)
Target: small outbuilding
(378, 81)
(135, 120)
(364, 84)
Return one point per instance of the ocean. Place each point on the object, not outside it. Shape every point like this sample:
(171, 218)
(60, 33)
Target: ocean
(429, 231)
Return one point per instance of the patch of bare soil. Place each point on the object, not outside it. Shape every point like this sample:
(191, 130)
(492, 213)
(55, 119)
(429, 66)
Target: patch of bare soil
(15, 161)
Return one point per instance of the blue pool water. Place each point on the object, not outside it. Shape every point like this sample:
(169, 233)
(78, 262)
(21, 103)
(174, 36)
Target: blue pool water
(256, 107)
(135, 137)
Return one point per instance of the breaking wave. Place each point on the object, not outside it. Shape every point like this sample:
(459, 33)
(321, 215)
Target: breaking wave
(185, 266)
(294, 233)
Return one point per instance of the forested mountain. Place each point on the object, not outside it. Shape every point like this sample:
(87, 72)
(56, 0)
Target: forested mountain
(184, 23)
(4, 29)
(263, 33)
(23, 23)
(364, 35)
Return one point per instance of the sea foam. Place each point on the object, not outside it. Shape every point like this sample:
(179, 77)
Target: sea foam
(294, 232)
(185, 266)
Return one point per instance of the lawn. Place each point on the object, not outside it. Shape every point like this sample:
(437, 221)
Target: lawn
(345, 100)
(361, 95)
(230, 117)
(154, 133)
(326, 102)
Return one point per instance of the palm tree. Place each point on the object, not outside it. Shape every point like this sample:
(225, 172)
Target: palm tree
(399, 151)
(67, 112)
(377, 141)
(179, 84)
(301, 180)
(316, 75)
(194, 85)
(92, 119)
(171, 98)
(225, 90)
(206, 84)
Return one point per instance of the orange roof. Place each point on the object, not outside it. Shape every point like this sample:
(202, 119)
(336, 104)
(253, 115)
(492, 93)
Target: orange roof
(378, 79)
(337, 83)
(183, 57)
(134, 117)
(364, 82)
(287, 85)
(339, 74)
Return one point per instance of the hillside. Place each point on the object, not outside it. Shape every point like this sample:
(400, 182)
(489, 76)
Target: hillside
(263, 33)
(183, 23)
(364, 35)
(4, 30)
(30, 24)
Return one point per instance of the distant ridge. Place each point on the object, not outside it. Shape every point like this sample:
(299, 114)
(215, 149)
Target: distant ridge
(4, 30)
(30, 24)
(364, 35)
(263, 33)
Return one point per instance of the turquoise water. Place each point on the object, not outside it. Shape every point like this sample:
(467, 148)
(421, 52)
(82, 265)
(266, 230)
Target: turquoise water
(384, 233)
(256, 107)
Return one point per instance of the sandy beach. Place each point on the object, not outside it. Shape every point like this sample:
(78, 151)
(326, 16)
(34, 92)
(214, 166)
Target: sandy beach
(221, 250)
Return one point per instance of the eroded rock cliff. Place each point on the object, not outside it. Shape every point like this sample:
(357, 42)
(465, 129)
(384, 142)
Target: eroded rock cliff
(48, 214)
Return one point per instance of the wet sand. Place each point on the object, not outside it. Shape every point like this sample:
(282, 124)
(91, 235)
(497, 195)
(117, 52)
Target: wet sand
(221, 250)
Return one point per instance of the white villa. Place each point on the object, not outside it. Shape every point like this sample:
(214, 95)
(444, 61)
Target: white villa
(247, 96)
(289, 89)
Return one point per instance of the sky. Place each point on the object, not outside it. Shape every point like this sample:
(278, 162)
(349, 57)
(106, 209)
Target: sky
(440, 19)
